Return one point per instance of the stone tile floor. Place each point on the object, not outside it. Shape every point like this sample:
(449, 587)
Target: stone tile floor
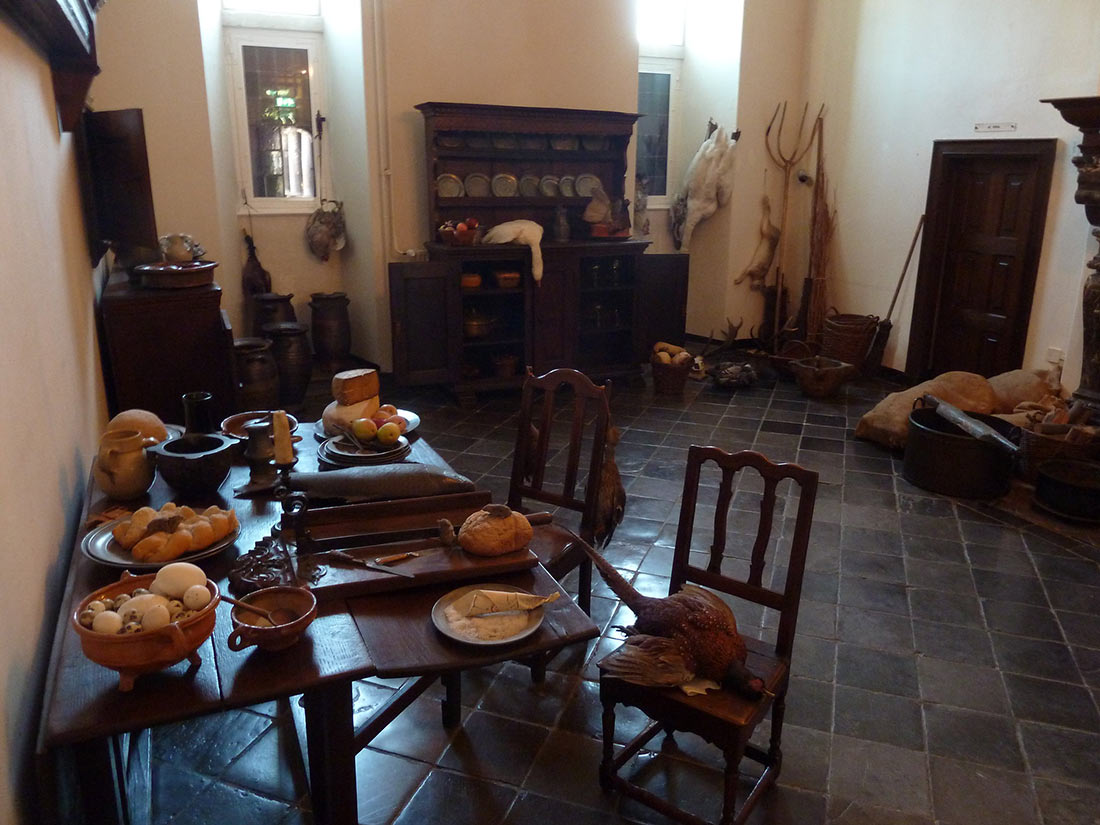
(947, 667)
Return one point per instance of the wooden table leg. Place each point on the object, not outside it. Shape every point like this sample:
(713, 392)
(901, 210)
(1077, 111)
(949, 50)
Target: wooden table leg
(452, 701)
(331, 742)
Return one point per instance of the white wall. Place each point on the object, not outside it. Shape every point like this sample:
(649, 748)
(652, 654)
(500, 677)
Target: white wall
(898, 75)
(51, 401)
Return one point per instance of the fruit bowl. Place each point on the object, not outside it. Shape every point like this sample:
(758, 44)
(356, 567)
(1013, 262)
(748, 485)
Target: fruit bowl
(151, 650)
(457, 237)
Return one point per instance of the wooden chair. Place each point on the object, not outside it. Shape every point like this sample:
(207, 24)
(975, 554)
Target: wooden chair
(559, 412)
(721, 717)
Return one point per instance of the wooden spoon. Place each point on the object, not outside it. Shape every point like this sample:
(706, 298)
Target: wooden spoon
(280, 615)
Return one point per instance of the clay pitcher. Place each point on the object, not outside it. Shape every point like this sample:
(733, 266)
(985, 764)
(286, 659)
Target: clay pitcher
(331, 328)
(290, 346)
(269, 308)
(122, 469)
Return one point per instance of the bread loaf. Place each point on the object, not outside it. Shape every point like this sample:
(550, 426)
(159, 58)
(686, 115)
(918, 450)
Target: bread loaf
(352, 386)
(337, 417)
(494, 531)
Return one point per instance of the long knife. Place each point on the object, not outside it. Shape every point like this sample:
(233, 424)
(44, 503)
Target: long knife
(371, 564)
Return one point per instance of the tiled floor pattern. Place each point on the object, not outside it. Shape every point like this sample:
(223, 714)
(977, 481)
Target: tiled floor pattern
(947, 666)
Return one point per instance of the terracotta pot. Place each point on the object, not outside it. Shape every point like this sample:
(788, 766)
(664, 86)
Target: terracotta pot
(290, 346)
(136, 653)
(331, 327)
(250, 629)
(257, 374)
(122, 469)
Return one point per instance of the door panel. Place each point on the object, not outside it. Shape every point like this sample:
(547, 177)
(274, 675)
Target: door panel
(424, 308)
(660, 307)
(986, 211)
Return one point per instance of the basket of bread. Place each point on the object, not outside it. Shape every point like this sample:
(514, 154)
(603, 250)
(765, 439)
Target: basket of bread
(172, 531)
(141, 624)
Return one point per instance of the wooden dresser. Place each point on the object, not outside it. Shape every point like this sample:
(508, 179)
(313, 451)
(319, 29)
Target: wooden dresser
(157, 344)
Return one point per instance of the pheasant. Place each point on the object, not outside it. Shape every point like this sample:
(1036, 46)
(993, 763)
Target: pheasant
(612, 499)
(675, 640)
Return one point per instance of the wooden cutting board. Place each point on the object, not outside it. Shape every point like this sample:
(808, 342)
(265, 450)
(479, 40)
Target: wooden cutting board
(435, 564)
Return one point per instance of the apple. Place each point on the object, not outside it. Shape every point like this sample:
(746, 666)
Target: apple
(462, 227)
(388, 433)
(472, 223)
(387, 410)
(379, 419)
(400, 420)
(364, 429)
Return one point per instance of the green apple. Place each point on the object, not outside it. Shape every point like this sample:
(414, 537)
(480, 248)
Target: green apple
(364, 429)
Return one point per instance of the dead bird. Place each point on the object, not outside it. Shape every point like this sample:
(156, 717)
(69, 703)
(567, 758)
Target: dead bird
(611, 505)
(688, 635)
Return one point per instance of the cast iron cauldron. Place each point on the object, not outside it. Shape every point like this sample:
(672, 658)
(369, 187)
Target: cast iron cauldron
(942, 458)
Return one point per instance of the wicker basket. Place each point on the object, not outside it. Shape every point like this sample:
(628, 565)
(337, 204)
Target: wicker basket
(848, 338)
(1035, 448)
(669, 379)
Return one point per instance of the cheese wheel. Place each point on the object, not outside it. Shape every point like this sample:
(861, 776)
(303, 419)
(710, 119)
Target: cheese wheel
(338, 417)
(352, 386)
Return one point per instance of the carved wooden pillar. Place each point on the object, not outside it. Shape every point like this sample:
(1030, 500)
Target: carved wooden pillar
(1084, 113)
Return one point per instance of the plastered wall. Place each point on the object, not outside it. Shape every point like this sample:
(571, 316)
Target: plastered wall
(51, 399)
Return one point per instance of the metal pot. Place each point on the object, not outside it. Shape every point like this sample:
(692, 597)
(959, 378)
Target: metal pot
(941, 457)
(1069, 488)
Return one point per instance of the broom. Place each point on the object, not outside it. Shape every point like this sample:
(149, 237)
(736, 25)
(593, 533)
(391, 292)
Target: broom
(882, 331)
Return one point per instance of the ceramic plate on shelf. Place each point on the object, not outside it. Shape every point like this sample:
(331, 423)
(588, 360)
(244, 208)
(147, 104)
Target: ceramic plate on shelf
(549, 186)
(532, 142)
(449, 186)
(564, 142)
(504, 185)
(505, 141)
(566, 186)
(100, 546)
(586, 184)
(439, 616)
(477, 185)
(594, 143)
(477, 140)
(449, 140)
(529, 186)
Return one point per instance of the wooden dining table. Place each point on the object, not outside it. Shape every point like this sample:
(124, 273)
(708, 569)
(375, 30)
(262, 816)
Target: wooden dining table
(93, 738)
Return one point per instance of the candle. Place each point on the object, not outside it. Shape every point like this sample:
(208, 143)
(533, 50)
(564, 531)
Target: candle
(280, 427)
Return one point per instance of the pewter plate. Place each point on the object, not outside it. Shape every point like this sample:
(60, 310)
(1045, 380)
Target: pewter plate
(100, 546)
(413, 419)
(439, 618)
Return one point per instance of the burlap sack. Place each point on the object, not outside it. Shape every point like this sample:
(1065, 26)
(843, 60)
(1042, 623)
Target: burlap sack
(888, 423)
(1016, 386)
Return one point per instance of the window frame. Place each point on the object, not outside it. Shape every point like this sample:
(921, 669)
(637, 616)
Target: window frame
(235, 39)
(667, 60)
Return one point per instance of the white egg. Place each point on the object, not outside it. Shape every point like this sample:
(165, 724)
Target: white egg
(174, 579)
(107, 621)
(135, 608)
(196, 597)
(155, 617)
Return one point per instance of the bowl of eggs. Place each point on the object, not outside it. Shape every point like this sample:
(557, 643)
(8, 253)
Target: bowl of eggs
(141, 624)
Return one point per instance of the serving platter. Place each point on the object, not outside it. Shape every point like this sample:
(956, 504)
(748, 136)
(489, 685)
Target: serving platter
(413, 419)
(100, 546)
(439, 617)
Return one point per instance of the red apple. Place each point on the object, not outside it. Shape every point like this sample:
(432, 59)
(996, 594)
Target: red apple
(400, 420)
(387, 410)
(462, 227)
(472, 223)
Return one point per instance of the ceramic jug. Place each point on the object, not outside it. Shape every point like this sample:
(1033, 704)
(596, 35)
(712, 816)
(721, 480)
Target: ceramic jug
(121, 468)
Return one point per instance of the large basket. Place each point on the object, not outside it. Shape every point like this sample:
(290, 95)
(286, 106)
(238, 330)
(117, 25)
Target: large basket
(848, 338)
(669, 379)
(1035, 448)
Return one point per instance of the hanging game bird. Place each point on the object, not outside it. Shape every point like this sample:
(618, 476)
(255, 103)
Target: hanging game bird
(688, 635)
(611, 504)
(254, 277)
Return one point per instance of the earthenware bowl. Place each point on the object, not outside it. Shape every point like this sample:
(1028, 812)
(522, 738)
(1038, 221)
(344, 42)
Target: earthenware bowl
(251, 629)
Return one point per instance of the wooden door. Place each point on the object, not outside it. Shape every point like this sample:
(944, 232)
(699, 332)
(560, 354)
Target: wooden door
(660, 301)
(426, 319)
(553, 326)
(986, 210)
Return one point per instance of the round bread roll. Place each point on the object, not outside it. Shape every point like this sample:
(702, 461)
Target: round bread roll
(495, 531)
(145, 422)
